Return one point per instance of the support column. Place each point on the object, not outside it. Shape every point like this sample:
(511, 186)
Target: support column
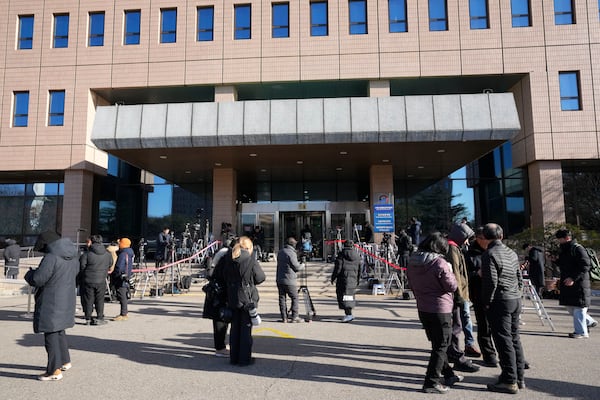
(77, 204)
(224, 199)
(381, 179)
(225, 93)
(379, 88)
(546, 193)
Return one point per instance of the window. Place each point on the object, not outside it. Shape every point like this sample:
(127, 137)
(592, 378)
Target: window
(397, 15)
(61, 31)
(564, 12)
(96, 29)
(521, 13)
(478, 11)
(21, 109)
(569, 91)
(132, 27)
(168, 25)
(318, 18)
(206, 24)
(25, 41)
(281, 20)
(242, 21)
(438, 15)
(358, 17)
(56, 113)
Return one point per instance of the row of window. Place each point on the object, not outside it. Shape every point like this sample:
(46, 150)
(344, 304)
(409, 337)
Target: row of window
(564, 14)
(568, 82)
(56, 108)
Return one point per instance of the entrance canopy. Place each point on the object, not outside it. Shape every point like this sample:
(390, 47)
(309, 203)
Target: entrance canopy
(422, 137)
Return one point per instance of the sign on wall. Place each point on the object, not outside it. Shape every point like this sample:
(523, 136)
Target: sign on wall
(383, 213)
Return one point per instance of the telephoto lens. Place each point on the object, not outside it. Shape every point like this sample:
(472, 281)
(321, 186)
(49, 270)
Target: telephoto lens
(254, 317)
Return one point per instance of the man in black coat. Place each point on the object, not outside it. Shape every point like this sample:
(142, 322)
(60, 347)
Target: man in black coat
(501, 290)
(94, 265)
(54, 280)
(575, 289)
(535, 266)
(287, 285)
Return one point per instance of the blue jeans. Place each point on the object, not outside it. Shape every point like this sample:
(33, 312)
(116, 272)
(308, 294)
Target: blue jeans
(579, 319)
(589, 320)
(467, 324)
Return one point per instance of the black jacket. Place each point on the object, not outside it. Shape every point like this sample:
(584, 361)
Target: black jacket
(54, 281)
(501, 274)
(94, 264)
(536, 266)
(241, 275)
(574, 263)
(346, 275)
(12, 253)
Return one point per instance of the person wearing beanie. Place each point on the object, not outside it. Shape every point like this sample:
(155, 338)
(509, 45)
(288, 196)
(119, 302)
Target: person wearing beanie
(457, 238)
(120, 276)
(55, 284)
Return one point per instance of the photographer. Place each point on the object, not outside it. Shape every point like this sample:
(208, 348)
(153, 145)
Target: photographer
(163, 246)
(242, 273)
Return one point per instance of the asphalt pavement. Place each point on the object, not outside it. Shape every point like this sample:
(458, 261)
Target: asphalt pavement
(165, 351)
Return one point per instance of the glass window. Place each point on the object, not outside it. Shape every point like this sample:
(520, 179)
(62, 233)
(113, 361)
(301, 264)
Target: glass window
(478, 11)
(56, 114)
(206, 24)
(564, 12)
(397, 15)
(96, 29)
(132, 27)
(569, 91)
(281, 20)
(438, 15)
(168, 25)
(358, 17)
(243, 20)
(12, 209)
(21, 109)
(12, 189)
(25, 41)
(61, 30)
(318, 18)
(521, 13)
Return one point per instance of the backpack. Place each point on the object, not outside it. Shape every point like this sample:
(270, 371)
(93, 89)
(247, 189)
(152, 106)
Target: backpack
(595, 265)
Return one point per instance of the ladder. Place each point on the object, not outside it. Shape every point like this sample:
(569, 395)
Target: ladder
(393, 278)
(532, 294)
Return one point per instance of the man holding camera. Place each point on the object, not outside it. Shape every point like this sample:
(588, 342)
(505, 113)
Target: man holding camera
(163, 244)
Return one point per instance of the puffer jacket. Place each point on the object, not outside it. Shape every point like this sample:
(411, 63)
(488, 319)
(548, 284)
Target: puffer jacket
(94, 264)
(287, 266)
(500, 274)
(54, 280)
(432, 281)
(574, 263)
(346, 275)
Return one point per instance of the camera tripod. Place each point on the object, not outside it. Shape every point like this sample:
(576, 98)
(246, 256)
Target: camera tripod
(309, 306)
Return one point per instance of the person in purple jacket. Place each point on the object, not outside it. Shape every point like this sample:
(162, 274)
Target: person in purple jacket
(433, 284)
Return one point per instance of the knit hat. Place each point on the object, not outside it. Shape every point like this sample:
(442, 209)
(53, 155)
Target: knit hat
(124, 243)
(460, 232)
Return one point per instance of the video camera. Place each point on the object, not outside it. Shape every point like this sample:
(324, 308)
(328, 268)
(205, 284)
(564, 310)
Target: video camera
(386, 238)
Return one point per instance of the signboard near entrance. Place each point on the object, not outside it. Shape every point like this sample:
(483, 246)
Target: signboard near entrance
(383, 213)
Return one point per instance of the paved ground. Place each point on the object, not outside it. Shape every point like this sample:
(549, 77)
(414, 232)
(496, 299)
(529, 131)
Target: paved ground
(165, 351)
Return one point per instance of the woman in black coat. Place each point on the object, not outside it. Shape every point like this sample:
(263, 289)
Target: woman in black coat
(55, 281)
(346, 275)
(242, 273)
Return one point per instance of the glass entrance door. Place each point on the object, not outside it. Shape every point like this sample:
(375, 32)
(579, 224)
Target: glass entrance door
(294, 223)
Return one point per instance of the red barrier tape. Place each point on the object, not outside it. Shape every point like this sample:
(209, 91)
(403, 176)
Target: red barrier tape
(152, 269)
(395, 266)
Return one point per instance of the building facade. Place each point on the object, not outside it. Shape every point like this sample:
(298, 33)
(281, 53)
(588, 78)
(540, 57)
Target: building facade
(290, 113)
